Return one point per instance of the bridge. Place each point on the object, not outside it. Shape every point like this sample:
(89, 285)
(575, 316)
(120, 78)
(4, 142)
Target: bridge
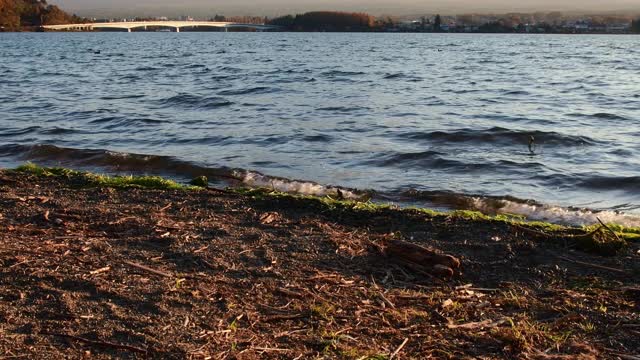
(176, 25)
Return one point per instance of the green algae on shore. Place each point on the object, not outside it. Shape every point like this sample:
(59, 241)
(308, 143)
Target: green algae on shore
(91, 179)
(605, 239)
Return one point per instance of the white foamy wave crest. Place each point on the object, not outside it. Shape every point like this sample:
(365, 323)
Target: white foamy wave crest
(118, 154)
(293, 186)
(560, 215)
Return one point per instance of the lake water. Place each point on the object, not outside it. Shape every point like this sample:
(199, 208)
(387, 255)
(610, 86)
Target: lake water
(439, 120)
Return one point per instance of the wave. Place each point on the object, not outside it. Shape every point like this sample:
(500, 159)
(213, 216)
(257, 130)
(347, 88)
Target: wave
(318, 138)
(603, 115)
(402, 76)
(530, 209)
(630, 183)
(568, 216)
(122, 97)
(147, 68)
(248, 91)
(343, 109)
(206, 140)
(30, 108)
(501, 136)
(110, 161)
(256, 179)
(334, 73)
(591, 182)
(434, 160)
(17, 132)
(59, 131)
(190, 101)
(114, 122)
(87, 114)
(130, 77)
(609, 116)
(517, 93)
(118, 162)
(422, 158)
(230, 69)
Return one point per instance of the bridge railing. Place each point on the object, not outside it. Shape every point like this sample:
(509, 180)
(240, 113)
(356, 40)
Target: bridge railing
(171, 24)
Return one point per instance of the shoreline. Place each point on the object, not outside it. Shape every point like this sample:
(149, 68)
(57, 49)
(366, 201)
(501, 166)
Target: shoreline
(143, 266)
(38, 30)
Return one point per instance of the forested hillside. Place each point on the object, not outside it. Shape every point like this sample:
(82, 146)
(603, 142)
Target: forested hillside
(24, 14)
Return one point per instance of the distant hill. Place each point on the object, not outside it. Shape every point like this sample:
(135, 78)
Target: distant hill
(30, 14)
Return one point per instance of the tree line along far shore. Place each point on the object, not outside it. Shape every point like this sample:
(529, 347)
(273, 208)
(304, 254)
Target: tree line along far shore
(17, 15)
(31, 14)
(345, 21)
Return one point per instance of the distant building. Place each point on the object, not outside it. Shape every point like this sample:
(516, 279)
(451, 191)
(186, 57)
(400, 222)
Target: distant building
(619, 28)
(582, 26)
(410, 25)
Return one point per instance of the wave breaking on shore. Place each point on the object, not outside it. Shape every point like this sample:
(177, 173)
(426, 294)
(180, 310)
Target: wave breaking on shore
(120, 162)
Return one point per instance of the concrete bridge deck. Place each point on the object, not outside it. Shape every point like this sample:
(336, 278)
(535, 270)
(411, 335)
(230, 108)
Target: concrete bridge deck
(176, 25)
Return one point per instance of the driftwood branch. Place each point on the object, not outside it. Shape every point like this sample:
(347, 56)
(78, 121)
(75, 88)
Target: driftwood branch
(421, 259)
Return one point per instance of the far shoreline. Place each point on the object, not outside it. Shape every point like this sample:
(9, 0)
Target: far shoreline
(30, 30)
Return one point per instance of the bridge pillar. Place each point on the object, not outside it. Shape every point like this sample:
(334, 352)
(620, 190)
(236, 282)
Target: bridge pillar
(128, 29)
(226, 29)
(177, 29)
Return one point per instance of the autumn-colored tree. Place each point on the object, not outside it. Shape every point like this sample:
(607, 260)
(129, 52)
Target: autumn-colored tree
(9, 15)
(16, 14)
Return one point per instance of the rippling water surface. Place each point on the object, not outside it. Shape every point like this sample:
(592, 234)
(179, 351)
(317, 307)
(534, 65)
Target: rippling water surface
(440, 120)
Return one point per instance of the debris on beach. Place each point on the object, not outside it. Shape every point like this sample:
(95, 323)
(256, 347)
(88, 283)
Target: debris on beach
(92, 267)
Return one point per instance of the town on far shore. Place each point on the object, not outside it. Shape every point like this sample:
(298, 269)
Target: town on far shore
(35, 15)
(552, 23)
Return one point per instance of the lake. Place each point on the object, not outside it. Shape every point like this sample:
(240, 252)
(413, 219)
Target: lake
(546, 126)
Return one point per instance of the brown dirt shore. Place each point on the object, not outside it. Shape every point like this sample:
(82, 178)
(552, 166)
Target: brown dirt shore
(141, 273)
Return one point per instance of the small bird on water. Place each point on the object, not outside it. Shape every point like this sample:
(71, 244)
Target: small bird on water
(532, 145)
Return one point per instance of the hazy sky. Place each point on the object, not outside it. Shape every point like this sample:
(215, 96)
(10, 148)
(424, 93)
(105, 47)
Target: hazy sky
(376, 7)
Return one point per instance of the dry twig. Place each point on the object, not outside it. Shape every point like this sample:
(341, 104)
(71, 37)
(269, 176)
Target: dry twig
(148, 269)
(620, 271)
(393, 355)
